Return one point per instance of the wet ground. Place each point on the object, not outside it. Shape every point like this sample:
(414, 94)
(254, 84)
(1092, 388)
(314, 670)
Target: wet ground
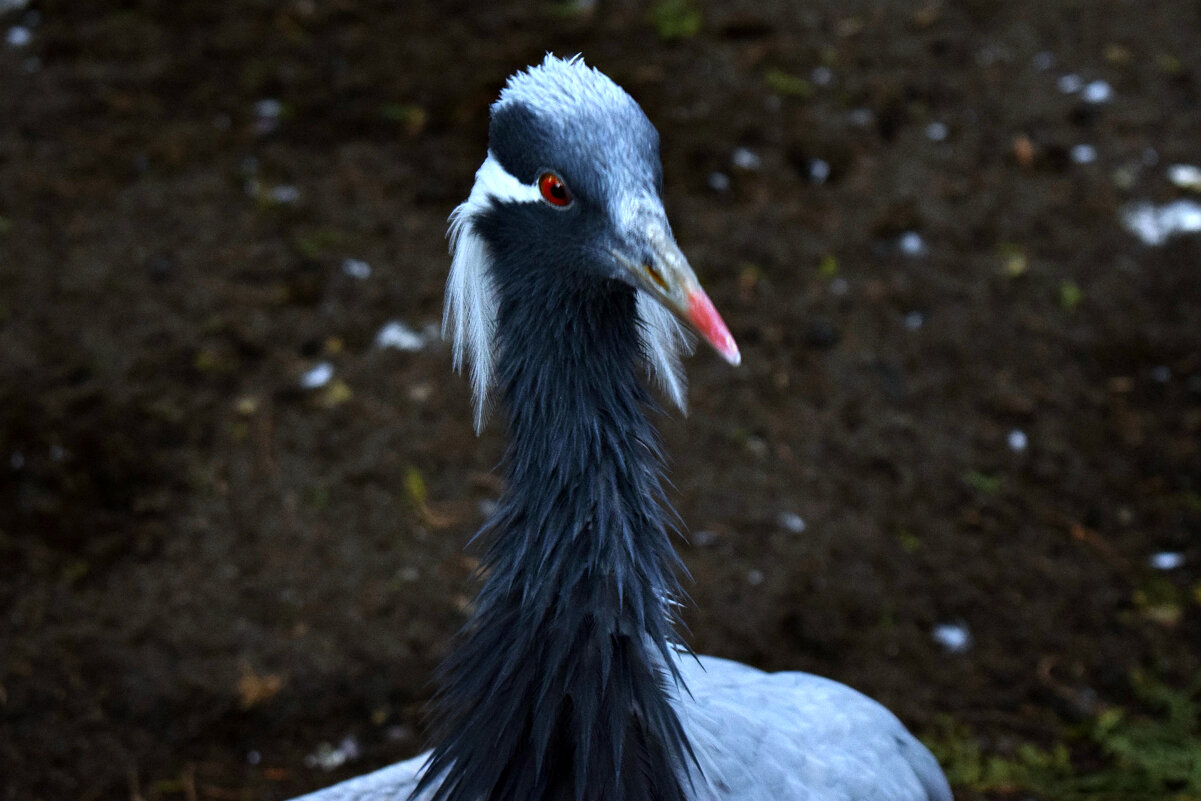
(959, 469)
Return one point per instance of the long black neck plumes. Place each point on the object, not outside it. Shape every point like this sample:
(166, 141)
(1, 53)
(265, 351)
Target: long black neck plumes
(559, 690)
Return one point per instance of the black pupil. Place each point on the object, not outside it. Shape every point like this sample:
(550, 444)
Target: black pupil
(556, 189)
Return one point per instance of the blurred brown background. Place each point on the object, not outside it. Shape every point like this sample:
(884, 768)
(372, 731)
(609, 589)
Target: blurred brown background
(959, 468)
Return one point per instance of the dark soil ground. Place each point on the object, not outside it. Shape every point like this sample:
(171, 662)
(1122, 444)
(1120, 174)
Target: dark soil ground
(215, 584)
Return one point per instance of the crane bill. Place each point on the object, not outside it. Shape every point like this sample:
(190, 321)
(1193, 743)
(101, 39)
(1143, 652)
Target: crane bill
(703, 317)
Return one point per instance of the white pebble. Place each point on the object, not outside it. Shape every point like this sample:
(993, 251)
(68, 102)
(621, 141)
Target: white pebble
(1084, 154)
(791, 522)
(357, 268)
(937, 131)
(860, 117)
(1150, 157)
(58, 453)
(746, 159)
(328, 758)
(754, 577)
(285, 195)
(488, 507)
(18, 36)
(408, 574)
(1097, 92)
(839, 287)
(1154, 225)
(819, 171)
(719, 182)
(1166, 560)
(821, 76)
(1185, 176)
(953, 637)
(396, 334)
(1017, 440)
(317, 377)
(911, 243)
(914, 320)
(1043, 61)
(12, 5)
(421, 391)
(253, 757)
(1161, 374)
(268, 108)
(1070, 84)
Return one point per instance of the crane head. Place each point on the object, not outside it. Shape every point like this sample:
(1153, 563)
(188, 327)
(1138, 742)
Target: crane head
(573, 180)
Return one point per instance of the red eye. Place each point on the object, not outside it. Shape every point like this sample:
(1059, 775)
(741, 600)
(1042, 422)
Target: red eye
(553, 190)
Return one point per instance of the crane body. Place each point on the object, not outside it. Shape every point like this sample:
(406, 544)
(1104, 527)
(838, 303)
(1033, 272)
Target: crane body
(568, 683)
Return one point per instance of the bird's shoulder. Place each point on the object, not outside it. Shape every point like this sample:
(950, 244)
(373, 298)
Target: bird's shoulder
(799, 737)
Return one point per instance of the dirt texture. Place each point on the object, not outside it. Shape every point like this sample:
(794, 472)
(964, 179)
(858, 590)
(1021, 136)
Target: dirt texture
(968, 396)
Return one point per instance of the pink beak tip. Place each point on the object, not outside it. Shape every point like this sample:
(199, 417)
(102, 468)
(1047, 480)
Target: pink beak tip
(710, 325)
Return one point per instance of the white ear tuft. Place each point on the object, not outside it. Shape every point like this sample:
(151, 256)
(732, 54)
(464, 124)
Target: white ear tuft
(665, 342)
(470, 309)
(469, 312)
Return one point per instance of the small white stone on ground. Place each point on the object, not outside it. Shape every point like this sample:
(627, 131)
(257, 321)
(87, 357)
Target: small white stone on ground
(1166, 560)
(746, 159)
(911, 243)
(953, 637)
(1185, 176)
(268, 108)
(1154, 225)
(819, 171)
(1017, 440)
(285, 194)
(914, 320)
(719, 182)
(18, 36)
(1043, 61)
(1097, 92)
(937, 131)
(328, 758)
(754, 577)
(318, 376)
(860, 117)
(1084, 154)
(357, 268)
(399, 336)
(1070, 84)
(791, 521)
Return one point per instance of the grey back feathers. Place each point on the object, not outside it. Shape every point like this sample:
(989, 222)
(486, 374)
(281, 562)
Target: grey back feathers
(591, 122)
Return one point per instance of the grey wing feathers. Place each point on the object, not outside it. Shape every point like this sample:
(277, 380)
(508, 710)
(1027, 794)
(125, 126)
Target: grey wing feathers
(393, 783)
(759, 737)
(799, 737)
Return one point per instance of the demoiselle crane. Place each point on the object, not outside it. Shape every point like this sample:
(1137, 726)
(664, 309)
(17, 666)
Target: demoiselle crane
(566, 288)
